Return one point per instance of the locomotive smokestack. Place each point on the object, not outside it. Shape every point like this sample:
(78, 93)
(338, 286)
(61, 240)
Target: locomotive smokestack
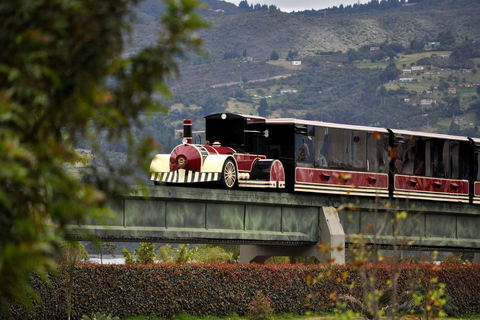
(187, 130)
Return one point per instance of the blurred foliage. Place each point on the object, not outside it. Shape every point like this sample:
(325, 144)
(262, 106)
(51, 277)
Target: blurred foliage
(127, 256)
(201, 253)
(72, 252)
(145, 253)
(64, 80)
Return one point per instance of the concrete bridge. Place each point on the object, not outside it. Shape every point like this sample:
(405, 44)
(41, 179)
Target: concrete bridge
(268, 223)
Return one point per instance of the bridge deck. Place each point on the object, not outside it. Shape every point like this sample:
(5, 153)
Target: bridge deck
(197, 215)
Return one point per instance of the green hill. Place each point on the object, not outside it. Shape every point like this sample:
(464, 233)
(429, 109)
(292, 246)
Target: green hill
(340, 78)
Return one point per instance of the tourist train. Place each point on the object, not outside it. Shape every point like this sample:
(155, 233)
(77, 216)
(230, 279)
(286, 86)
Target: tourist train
(244, 151)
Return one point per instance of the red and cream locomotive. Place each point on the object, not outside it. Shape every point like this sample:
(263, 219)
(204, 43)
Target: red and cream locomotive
(313, 156)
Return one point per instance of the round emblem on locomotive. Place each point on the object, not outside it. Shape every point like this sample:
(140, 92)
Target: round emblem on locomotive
(181, 160)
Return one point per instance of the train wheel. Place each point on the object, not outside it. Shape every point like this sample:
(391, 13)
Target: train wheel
(229, 175)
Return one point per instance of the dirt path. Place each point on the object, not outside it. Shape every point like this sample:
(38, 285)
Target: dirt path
(227, 84)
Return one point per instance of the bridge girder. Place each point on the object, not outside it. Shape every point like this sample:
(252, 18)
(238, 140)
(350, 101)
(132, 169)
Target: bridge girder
(200, 215)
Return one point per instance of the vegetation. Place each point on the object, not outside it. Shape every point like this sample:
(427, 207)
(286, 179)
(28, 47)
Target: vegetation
(64, 80)
(145, 253)
(259, 308)
(100, 316)
(169, 289)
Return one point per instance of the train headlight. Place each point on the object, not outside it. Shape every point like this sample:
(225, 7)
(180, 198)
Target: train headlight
(181, 161)
(184, 141)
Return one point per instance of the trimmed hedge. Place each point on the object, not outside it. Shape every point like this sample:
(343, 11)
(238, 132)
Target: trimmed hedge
(218, 289)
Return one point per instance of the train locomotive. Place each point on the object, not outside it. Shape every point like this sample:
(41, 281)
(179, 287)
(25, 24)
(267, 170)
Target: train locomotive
(244, 151)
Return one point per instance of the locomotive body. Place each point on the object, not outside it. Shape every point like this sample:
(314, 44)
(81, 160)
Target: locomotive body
(319, 157)
(235, 157)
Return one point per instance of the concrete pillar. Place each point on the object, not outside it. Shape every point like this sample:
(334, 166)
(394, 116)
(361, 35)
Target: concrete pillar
(330, 232)
(476, 257)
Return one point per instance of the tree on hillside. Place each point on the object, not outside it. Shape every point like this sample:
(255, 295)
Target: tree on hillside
(417, 44)
(446, 38)
(243, 4)
(55, 61)
(463, 52)
(352, 55)
(292, 55)
(274, 55)
(263, 108)
(272, 8)
(390, 73)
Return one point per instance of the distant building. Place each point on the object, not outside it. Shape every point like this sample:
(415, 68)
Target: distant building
(426, 102)
(431, 45)
(467, 70)
(296, 63)
(405, 79)
(417, 68)
(290, 91)
(452, 90)
(444, 56)
(374, 48)
(407, 71)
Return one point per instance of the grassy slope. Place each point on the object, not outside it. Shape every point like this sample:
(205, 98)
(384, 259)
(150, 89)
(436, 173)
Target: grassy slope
(432, 79)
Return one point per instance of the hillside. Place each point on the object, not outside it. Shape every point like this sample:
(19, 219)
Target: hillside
(311, 32)
(339, 78)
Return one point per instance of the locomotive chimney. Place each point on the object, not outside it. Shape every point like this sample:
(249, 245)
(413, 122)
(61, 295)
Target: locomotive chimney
(187, 130)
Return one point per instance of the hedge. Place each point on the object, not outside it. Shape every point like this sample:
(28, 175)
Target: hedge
(219, 289)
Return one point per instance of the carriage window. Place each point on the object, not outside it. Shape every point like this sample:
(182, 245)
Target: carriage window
(476, 166)
(454, 162)
(439, 160)
(304, 148)
(459, 159)
(377, 152)
(358, 150)
(338, 148)
(413, 156)
(320, 147)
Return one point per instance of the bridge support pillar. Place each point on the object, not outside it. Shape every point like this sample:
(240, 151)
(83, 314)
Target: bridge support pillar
(330, 232)
(476, 257)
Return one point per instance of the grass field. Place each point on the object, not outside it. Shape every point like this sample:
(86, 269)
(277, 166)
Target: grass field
(241, 107)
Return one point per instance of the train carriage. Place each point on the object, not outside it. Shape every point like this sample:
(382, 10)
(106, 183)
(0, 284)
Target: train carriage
(431, 166)
(332, 158)
(313, 156)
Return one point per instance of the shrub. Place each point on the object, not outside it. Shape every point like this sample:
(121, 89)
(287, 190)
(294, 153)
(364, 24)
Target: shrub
(260, 308)
(169, 289)
(100, 316)
(127, 255)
